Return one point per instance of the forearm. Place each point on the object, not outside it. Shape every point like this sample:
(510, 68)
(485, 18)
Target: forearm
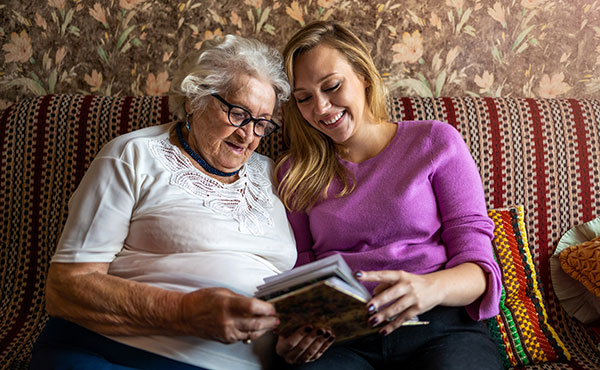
(460, 285)
(111, 305)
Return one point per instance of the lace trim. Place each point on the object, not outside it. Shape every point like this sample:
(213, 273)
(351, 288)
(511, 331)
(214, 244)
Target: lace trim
(246, 199)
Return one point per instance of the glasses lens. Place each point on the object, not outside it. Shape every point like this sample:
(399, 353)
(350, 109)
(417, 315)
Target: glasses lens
(264, 127)
(237, 116)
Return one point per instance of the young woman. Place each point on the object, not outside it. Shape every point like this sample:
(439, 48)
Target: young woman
(402, 202)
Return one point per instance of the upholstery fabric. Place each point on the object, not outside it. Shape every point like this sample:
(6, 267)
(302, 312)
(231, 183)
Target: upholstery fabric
(541, 153)
(521, 329)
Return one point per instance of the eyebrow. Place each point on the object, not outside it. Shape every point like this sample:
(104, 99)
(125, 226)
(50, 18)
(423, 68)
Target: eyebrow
(320, 80)
(261, 116)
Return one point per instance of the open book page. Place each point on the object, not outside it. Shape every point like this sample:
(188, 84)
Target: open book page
(333, 265)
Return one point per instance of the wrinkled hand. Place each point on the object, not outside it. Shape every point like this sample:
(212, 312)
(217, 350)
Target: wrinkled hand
(306, 344)
(399, 296)
(222, 315)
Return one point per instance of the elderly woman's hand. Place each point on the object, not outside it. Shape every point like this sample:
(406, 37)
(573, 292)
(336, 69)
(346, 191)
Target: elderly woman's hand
(222, 315)
(304, 345)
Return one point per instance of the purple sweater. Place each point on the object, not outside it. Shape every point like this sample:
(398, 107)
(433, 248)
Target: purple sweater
(418, 206)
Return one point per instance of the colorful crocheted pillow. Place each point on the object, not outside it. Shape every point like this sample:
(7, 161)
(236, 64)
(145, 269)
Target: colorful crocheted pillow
(521, 330)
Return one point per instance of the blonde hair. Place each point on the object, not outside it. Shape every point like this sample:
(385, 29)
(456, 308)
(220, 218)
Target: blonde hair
(312, 155)
(213, 68)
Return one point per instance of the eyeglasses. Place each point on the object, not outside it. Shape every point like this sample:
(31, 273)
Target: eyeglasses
(240, 117)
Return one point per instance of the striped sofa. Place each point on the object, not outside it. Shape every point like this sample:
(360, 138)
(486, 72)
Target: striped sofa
(541, 154)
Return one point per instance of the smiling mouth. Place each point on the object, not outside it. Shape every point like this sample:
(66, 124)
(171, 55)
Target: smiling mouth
(334, 119)
(236, 148)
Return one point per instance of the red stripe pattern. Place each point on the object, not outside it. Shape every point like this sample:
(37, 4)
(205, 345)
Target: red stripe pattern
(543, 154)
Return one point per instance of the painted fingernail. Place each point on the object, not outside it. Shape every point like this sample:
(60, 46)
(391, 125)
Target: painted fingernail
(383, 332)
(331, 339)
(372, 308)
(308, 329)
(320, 332)
(374, 321)
(326, 335)
(358, 274)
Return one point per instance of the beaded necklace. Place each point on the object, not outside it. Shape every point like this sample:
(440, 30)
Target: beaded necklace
(196, 156)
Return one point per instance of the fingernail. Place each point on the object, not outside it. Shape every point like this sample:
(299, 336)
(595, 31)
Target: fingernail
(331, 339)
(374, 321)
(308, 329)
(371, 308)
(320, 332)
(358, 274)
(383, 332)
(326, 335)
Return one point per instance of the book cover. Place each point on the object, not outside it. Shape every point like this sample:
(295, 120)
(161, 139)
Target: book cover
(327, 304)
(323, 294)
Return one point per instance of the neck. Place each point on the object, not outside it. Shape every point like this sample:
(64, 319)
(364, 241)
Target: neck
(207, 167)
(368, 142)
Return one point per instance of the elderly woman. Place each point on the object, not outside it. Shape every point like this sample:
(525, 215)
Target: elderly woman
(173, 227)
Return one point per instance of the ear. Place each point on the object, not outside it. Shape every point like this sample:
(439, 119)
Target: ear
(365, 81)
(188, 106)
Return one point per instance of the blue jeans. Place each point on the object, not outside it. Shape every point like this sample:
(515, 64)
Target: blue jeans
(64, 345)
(452, 341)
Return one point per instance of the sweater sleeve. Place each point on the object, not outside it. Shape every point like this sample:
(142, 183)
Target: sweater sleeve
(467, 230)
(301, 226)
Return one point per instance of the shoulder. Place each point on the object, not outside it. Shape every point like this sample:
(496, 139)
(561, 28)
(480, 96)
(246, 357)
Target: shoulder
(437, 133)
(284, 166)
(260, 163)
(134, 141)
(428, 127)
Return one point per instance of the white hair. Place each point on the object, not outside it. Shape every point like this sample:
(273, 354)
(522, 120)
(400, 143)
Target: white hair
(213, 68)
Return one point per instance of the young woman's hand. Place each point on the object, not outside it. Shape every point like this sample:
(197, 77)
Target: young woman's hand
(401, 295)
(304, 345)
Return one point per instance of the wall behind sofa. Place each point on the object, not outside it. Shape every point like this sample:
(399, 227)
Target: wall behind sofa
(520, 48)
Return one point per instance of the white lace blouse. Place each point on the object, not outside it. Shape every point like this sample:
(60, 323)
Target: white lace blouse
(143, 207)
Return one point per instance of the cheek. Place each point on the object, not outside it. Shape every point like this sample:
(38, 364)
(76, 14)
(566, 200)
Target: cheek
(304, 110)
(254, 143)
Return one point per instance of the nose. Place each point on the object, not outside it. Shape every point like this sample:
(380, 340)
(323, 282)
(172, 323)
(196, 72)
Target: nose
(246, 132)
(321, 104)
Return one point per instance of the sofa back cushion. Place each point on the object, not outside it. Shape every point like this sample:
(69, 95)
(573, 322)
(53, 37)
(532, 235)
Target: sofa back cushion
(544, 154)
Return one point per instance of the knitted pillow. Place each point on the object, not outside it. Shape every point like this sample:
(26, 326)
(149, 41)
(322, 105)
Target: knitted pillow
(575, 268)
(521, 330)
(582, 263)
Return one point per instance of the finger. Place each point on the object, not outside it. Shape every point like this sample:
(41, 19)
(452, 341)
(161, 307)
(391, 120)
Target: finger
(328, 342)
(245, 306)
(286, 344)
(397, 321)
(263, 323)
(393, 316)
(299, 342)
(381, 287)
(320, 339)
(383, 276)
(400, 292)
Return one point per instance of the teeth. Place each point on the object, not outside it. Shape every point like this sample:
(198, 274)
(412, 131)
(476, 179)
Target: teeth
(334, 119)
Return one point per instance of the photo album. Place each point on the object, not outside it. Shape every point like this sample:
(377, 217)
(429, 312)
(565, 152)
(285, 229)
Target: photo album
(323, 293)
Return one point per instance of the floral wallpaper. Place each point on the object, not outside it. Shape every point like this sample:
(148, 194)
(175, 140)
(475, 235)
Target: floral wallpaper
(519, 48)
